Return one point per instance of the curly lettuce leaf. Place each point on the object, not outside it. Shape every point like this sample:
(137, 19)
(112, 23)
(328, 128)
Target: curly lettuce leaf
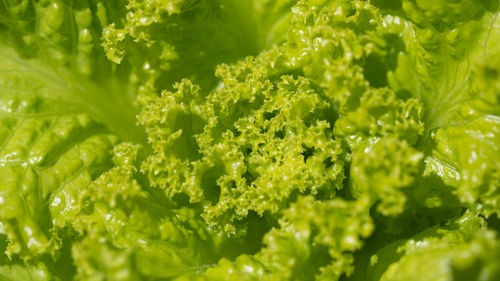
(358, 142)
(62, 183)
(462, 250)
(302, 248)
(449, 59)
(166, 41)
(235, 161)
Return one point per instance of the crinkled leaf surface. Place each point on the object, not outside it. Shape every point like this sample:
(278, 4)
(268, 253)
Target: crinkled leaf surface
(249, 140)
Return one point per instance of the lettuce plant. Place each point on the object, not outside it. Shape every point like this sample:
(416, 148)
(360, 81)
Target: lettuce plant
(218, 140)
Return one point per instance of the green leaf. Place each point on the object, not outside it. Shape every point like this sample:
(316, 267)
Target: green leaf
(166, 41)
(247, 160)
(385, 181)
(15, 272)
(457, 251)
(47, 155)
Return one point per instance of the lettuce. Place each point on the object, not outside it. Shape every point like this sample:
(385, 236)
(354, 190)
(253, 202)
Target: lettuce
(249, 140)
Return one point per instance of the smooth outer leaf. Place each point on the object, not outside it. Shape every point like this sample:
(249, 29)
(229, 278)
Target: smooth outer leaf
(17, 272)
(47, 155)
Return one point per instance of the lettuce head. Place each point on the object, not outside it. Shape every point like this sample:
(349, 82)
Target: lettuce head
(219, 140)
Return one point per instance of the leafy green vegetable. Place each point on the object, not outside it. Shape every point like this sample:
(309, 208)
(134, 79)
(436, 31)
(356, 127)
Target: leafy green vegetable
(249, 140)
